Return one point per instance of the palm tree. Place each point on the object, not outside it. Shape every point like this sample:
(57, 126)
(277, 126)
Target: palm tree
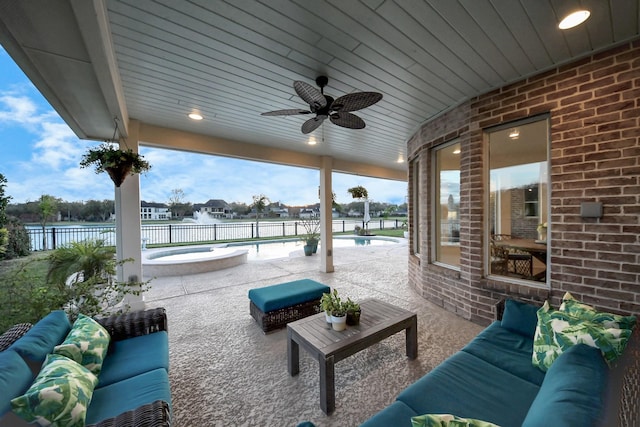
(259, 204)
(91, 259)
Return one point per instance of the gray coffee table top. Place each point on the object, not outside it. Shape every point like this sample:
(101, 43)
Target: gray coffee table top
(378, 321)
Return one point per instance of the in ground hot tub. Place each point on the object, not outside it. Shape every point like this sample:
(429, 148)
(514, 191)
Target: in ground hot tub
(190, 260)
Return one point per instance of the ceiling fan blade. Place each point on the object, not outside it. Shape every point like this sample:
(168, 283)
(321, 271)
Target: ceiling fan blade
(355, 101)
(312, 124)
(310, 94)
(347, 120)
(285, 112)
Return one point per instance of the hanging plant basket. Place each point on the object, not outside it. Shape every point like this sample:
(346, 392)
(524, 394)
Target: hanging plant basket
(116, 162)
(119, 173)
(358, 192)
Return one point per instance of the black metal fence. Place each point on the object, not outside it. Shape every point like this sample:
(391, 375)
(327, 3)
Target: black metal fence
(57, 236)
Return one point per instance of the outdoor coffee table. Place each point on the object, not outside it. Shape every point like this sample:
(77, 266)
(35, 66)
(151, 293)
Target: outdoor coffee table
(378, 321)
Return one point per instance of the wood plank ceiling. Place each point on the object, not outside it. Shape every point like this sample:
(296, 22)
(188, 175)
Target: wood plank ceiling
(232, 60)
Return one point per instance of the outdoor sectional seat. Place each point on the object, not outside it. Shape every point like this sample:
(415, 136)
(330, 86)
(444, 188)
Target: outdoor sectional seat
(133, 385)
(493, 379)
(276, 305)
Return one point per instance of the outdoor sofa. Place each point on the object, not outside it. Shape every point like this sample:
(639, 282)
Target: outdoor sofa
(493, 379)
(130, 389)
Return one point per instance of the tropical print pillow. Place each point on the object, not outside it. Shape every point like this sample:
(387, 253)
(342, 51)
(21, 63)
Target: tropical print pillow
(447, 420)
(556, 331)
(586, 312)
(87, 343)
(59, 396)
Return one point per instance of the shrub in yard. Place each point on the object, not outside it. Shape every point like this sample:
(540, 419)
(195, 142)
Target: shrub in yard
(25, 295)
(19, 244)
(86, 272)
(79, 278)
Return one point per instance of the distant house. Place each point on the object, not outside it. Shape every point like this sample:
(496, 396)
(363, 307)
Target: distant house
(215, 208)
(278, 210)
(154, 211)
(309, 213)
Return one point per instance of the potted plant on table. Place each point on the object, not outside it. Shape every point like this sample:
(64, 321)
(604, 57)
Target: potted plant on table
(118, 163)
(326, 304)
(353, 312)
(338, 313)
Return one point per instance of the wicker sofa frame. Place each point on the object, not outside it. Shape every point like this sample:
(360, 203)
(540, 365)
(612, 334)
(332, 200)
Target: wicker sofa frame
(278, 319)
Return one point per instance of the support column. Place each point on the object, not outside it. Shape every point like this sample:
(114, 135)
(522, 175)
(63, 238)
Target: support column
(326, 218)
(128, 224)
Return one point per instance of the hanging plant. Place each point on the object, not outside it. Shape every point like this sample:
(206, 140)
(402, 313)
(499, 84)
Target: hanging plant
(116, 162)
(358, 192)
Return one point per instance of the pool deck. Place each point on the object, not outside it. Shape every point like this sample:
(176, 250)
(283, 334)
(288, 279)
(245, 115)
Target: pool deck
(226, 372)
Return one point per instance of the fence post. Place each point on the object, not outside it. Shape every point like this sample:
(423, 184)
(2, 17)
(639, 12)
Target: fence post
(215, 231)
(252, 230)
(53, 237)
(170, 233)
(284, 231)
(343, 230)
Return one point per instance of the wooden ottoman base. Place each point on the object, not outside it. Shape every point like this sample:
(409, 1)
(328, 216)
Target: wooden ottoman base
(277, 319)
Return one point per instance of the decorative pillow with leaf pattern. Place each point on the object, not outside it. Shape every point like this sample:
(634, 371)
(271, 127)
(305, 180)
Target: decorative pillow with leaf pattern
(87, 343)
(59, 396)
(556, 331)
(447, 420)
(586, 312)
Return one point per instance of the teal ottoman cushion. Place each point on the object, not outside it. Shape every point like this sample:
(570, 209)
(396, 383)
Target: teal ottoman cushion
(15, 378)
(287, 294)
(129, 394)
(133, 356)
(43, 336)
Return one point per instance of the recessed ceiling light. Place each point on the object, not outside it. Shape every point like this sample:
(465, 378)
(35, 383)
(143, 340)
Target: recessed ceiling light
(195, 116)
(456, 151)
(312, 141)
(400, 159)
(574, 19)
(514, 134)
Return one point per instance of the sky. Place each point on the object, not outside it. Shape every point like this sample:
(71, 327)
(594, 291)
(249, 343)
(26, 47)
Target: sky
(41, 154)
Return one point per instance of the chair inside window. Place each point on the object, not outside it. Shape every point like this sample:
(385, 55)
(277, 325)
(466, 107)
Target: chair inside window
(499, 260)
(520, 262)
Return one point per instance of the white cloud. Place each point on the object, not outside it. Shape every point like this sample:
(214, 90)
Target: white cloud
(50, 154)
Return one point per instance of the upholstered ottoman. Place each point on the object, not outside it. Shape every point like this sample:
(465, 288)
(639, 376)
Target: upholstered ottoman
(275, 306)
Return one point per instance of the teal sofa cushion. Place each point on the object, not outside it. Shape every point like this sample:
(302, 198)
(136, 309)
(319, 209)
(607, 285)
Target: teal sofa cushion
(133, 356)
(470, 387)
(129, 394)
(510, 351)
(520, 318)
(572, 393)
(43, 336)
(398, 414)
(15, 378)
(287, 294)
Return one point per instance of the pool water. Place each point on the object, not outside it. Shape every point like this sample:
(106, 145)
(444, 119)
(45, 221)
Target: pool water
(282, 248)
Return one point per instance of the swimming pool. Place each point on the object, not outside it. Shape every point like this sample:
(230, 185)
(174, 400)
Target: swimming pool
(203, 258)
(272, 249)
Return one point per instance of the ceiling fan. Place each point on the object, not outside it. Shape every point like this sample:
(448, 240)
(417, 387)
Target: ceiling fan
(323, 106)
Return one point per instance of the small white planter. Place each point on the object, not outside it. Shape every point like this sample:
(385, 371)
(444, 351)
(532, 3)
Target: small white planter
(339, 323)
(327, 317)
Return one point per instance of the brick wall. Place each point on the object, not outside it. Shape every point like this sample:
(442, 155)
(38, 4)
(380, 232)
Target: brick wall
(594, 108)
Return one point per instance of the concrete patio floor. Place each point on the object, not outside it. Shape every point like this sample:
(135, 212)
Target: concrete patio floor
(225, 372)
